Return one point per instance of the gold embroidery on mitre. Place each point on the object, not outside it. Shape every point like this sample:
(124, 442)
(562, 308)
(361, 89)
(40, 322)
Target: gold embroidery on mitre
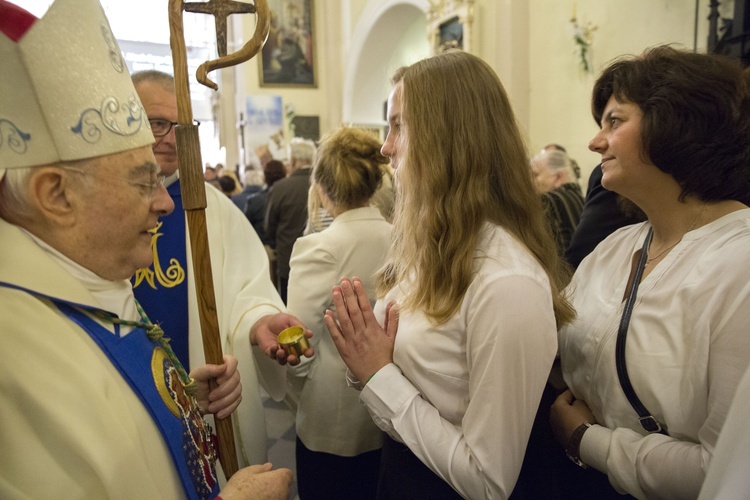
(174, 274)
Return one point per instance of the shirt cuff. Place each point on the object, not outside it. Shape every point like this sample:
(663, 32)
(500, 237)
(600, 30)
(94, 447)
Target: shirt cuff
(352, 381)
(594, 447)
(302, 369)
(386, 394)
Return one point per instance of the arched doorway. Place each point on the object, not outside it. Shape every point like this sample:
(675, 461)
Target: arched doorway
(390, 33)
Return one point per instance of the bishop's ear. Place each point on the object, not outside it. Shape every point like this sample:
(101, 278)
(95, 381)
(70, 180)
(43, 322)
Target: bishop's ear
(53, 195)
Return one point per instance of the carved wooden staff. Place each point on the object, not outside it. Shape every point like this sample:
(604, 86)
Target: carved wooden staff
(191, 172)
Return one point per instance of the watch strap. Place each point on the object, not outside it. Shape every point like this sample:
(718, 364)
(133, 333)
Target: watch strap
(572, 450)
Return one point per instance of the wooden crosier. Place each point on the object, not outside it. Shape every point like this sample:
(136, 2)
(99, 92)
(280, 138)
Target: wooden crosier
(191, 172)
(221, 10)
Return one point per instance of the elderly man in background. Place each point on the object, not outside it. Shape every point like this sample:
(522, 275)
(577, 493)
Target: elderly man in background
(94, 403)
(249, 310)
(253, 185)
(286, 209)
(555, 180)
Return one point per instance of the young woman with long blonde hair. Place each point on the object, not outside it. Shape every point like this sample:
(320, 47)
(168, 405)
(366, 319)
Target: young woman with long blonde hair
(472, 285)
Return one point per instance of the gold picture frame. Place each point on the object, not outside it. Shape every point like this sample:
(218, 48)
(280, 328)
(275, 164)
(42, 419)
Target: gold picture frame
(288, 58)
(450, 25)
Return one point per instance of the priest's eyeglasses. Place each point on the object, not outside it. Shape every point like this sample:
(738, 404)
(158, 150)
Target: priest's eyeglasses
(161, 126)
(147, 189)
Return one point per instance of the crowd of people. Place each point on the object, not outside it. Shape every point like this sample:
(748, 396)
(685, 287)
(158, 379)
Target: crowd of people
(477, 328)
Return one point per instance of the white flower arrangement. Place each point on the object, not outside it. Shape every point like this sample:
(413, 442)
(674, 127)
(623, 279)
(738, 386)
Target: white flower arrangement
(290, 112)
(582, 35)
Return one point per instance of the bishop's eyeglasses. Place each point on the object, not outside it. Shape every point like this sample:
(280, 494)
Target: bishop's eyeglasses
(147, 189)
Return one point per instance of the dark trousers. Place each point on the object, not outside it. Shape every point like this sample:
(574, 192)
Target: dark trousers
(548, 473)
(586, 484)
(283, 286)
(332, 477)
(403, 476)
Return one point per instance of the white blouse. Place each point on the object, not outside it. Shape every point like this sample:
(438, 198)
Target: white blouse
(463, 395)
(687, 347)
(728, 477)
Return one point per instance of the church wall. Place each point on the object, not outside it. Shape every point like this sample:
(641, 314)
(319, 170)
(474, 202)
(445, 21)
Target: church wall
(387, 34)
(324, 100)
(356, 8)
(560, 90)
(375, 68)
(500, 36)
(529, 43)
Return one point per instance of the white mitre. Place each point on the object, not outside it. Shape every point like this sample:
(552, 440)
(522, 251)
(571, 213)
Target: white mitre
(65, 91)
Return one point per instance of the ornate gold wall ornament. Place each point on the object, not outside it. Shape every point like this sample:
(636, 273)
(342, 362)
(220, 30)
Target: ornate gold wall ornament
(450, 25)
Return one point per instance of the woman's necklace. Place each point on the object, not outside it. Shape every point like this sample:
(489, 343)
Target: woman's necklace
(670, 247)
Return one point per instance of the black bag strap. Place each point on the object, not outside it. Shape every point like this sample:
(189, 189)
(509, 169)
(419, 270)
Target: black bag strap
(647, 420)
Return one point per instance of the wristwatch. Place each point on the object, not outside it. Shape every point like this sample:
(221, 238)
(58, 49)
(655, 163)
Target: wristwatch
(572, 450)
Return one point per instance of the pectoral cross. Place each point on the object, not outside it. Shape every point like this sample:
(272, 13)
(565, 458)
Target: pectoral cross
(221, 10)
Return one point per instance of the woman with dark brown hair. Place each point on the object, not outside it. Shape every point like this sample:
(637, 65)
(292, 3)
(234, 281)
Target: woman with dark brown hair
(661, 338)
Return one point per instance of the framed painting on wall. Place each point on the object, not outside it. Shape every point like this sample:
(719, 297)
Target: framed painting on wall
(450, 24)
(288, 57)
(307, 127)
(451, 35)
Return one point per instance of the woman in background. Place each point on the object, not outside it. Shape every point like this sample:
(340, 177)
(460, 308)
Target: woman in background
(255, 209)
(338, 445)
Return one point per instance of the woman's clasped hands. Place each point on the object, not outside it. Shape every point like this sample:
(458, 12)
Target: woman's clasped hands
(363, 344)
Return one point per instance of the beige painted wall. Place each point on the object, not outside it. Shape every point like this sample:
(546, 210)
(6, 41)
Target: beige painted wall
(323, 101)
(529, 43)
(559, 92)
(356, 8)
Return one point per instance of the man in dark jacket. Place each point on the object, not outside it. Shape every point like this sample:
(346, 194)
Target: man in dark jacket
(286, 209)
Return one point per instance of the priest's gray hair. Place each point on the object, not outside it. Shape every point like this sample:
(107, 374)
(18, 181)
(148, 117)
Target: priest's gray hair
(13, 199)
(154, 76)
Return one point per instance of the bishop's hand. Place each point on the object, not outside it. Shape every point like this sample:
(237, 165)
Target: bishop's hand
(223, 399)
